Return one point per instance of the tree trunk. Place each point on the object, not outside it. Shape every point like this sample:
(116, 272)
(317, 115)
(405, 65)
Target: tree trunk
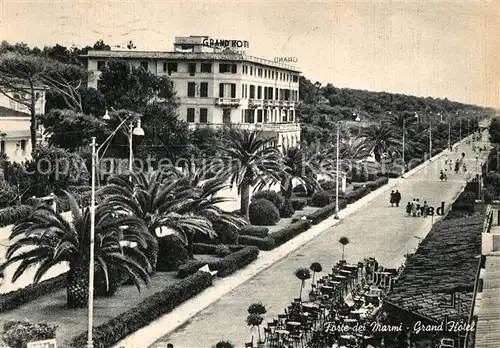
(191, 248)
(77, 285)
(301, 286)
(151, 252)
(343, 248)
(245, 200)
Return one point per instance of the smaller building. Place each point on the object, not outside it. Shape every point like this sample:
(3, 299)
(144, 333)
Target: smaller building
(15, 139)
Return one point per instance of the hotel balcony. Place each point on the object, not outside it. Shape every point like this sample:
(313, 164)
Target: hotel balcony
(255, 103)
(227, 101)
(267, 127)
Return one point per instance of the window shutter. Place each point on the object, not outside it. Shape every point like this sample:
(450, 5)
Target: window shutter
(233, 90)
(221, 90)
(234, 68)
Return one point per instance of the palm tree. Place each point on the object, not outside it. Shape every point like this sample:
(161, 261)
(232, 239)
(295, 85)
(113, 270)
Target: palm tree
(297, 166)
(315, 267)
(255, 320)
(343, 241)
(302, 274)
(380, 139)
(52, 240)
(252, 161)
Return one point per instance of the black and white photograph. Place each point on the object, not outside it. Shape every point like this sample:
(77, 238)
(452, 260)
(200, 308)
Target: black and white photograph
(239, 174)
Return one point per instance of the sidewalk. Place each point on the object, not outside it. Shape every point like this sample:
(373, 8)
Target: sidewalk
(220, 312)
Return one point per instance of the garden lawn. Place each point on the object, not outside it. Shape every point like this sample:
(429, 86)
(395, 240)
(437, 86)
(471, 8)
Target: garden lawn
(52, 308)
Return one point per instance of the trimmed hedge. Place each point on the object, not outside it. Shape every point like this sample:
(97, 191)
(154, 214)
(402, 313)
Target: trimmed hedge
(290, 231)
(17, 298)
(373, 185)
(254, 231)
(325, 212)
(225, 266)
(171, 253)
(286, 210)
(353, 196)
(327, 185)
(272, 196)
(162, 302)
(321, 199)
(263, 213)
(298, 203)
(13, 214)
(211, 249)
(266, 243)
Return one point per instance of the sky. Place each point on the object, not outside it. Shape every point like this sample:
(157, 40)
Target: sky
(425, 48)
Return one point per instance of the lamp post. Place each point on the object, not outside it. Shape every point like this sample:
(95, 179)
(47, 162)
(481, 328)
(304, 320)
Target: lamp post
(95, 154)
(449, 132)
(337, 174)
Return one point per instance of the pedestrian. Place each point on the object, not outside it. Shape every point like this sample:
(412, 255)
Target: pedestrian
(465, 167)
(397, 195)
(170, 345)
(413, 208)
(425, 209)
(392, 199)
(446, 159)
(418, 207)
(457, 166)
(441, 175)
(408, 209)
(445, 174)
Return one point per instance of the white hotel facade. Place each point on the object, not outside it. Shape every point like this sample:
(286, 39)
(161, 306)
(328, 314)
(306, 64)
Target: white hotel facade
(219, 86)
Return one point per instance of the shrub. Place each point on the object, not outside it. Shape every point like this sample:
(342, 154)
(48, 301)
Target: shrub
(272, 196)
(13, 214)
(79, 189)
(17, 298)
(17, 334)
(226, 234)
(328, 185)
(211, 249)
(286, 210)
(302, 190)
(263, 213)
(266, 243)
(381, 181)
(223, 344)
(144, 313)
(298, 203)
(222, 250)
(225, 266)
(356, 194)
(255, 231)
(325, 212)
(321, 199)
(465, 202)
(290, 231)
(172, 254)
(8, 194)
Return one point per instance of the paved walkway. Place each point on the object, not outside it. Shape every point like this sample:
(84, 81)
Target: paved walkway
(373, 227)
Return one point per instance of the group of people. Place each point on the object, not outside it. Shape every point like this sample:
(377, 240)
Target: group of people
(448, 163)
(414, 208)
(395, 198)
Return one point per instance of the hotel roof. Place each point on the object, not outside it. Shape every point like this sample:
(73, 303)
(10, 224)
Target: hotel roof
(187, 56)
(445, 263)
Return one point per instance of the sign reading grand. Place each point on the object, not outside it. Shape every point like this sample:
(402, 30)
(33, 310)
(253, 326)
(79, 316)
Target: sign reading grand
(224, 43)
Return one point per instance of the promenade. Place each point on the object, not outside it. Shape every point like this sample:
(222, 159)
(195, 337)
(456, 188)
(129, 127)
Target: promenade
(374, 228)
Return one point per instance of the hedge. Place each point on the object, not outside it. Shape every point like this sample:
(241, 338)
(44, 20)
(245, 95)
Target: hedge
(254, 231)
(325, 212)
(286, 209)
(114, 330)
(17, 298)
(272, 196)
(298, 203)
(211, 249)
(465, 202)
(263, 213)
(373, 185)
(266, 243)
(290, 231)
(353, 196)
(13, 214)
(321, 199)
(225, 266)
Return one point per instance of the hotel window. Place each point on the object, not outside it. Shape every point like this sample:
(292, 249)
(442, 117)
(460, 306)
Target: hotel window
(190, 115)
(144, 65)
(203, 115)
(265, 73)
(164, 67)
(265, 93)
(260, 72)
(225, 89)
(285, 116)
(226, 68)
(2, 146)
(101, 64)
(272, 74)
(259, 115)
(295, 78)
(291, 115)
(23, 145)
(252, 92)
(192, 69)
(191, 89)
(206, 67)
(204, 89)
(259, 92)
(251, 70)
(243, 90)
(276, 96)
(171, 67)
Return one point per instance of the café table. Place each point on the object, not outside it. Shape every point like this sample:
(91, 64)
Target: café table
(326, 289)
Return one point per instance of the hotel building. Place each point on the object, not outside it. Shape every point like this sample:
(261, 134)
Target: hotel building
(218, 85)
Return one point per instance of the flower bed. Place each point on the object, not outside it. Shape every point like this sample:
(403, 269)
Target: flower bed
(17, 298)
(224, 266)
(147, 311)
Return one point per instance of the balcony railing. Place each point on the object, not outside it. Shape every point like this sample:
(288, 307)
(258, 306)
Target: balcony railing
(255, 103)
(269, 127)
(227, 101)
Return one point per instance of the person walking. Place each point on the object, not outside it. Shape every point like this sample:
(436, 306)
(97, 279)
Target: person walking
(445, 174)
(392, 199)
(464, 167)
(397, 195)
(418, 208)
(408, 209)
(441, 175)
(413, 208)
(445, 159)
(425, 209)
(457, 166)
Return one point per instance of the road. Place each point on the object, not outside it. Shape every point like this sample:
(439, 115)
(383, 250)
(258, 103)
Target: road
(377, 230)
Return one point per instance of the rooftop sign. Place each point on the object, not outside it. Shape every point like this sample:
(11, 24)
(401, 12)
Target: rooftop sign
(225, 43)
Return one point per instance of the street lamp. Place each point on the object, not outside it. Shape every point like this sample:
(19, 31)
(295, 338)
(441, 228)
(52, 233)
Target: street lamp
(95, 153)
(404, 131)
(337, 174)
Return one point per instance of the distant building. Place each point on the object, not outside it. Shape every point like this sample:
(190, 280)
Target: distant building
(218, 84)
(15, 121)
